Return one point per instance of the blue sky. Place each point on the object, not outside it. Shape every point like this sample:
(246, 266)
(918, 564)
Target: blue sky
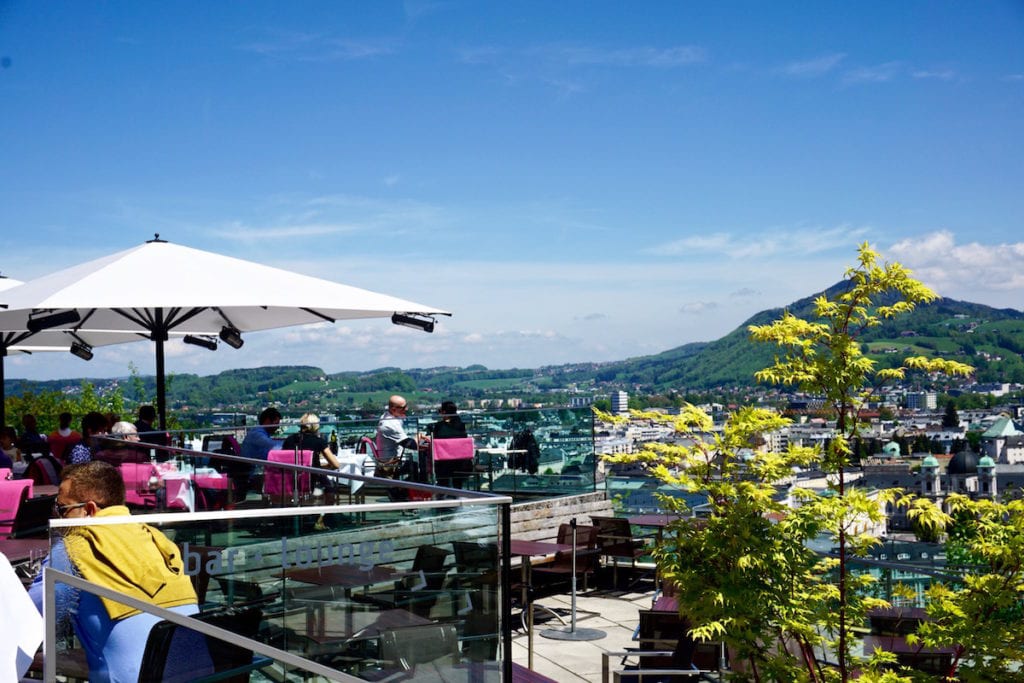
(576, 181)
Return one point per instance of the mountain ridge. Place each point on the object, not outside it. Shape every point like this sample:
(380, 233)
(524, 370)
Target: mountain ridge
(990, 338)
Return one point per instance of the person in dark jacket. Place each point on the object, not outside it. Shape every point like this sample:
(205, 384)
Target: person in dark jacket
(449, 473)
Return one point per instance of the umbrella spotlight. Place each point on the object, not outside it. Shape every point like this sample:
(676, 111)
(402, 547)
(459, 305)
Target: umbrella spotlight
(231, 336)
(205, 341)
(416, 322)
(83, 351)
(38, 322)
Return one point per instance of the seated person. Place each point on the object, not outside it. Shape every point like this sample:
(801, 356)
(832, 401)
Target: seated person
(257, 443)
(9, 452)
(135, 559)
(63, 438)
(31, 442)
(308, 439)
(391, 434)
(450, 473)
(117, 452)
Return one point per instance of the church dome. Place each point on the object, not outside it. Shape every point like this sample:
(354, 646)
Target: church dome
(986, 462)
(930, 461)
(964, 462)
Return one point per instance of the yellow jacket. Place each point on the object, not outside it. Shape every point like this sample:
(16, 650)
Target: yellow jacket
(131, 558)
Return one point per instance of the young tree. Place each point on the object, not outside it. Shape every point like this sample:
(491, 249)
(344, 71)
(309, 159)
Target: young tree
(981, 616)
(746, 574)
(825, 358)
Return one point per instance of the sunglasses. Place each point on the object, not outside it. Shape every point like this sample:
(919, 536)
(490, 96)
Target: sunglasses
(62, 510)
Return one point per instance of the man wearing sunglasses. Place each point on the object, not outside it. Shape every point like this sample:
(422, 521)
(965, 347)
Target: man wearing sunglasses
(391, 430)
(130, 558)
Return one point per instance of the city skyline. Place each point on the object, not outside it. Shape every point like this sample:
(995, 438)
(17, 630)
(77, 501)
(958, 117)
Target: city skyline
(575, 182)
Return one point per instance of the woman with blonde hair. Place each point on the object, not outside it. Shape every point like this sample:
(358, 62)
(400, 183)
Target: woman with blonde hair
(308, 439)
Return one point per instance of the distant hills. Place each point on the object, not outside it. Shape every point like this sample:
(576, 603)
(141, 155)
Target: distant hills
(988, 338)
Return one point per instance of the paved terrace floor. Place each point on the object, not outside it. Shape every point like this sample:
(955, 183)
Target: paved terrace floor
(572, 661)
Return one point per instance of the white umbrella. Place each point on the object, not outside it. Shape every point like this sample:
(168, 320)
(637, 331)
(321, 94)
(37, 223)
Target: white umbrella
(159, 289)
(25, 342)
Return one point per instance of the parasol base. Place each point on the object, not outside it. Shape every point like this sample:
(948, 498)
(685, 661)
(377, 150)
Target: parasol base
(579, 634)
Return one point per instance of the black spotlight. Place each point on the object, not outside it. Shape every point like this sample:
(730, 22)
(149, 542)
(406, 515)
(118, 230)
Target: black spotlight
(83, 351)
(417, 322)
(47, 321)
(231, 336)
(204, 341)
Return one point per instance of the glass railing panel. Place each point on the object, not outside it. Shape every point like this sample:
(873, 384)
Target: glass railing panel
(365, 590)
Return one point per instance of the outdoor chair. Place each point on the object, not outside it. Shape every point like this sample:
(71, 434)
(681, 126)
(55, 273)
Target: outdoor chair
(615, 541)
(476, 574)
(413, 648)
(139, 481)
(279, 483)
(33, 517)
(452, 460)
(587, 556)
(669, 632)
(44, 470)
(419, 591)
(12, 492)
(175, 653)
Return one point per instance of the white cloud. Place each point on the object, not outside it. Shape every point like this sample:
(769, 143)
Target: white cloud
(697, 307)
(879, 73)
(680, 55)
(316, 47)
(939, 75)
(773, 242)
(972, 271)
(249, 233)
(811, 68)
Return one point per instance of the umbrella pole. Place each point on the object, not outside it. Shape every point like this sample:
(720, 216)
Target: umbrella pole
(159, 335)
(3, 392)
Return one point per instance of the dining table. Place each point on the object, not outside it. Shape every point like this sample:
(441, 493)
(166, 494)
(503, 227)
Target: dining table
(20, 550)
(181, 483)
(345, 576)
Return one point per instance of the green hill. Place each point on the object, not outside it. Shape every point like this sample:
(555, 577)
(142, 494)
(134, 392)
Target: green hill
(990, 339)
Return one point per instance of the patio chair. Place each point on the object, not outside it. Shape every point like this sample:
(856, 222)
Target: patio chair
(419, 591)
(452, 460)
(406, 649)
(615, 541)
(33, 517)
(12, 492)
(139, 481)
(175, 653)
(278, 482)
(44, 470)
(587, 556)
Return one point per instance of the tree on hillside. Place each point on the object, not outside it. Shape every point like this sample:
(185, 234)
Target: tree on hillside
(48, 405)
(950, 419)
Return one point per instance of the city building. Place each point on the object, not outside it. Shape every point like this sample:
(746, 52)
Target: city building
(620, 402)
(922, 400)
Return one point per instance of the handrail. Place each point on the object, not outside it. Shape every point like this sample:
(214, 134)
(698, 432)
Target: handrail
(52, 576)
